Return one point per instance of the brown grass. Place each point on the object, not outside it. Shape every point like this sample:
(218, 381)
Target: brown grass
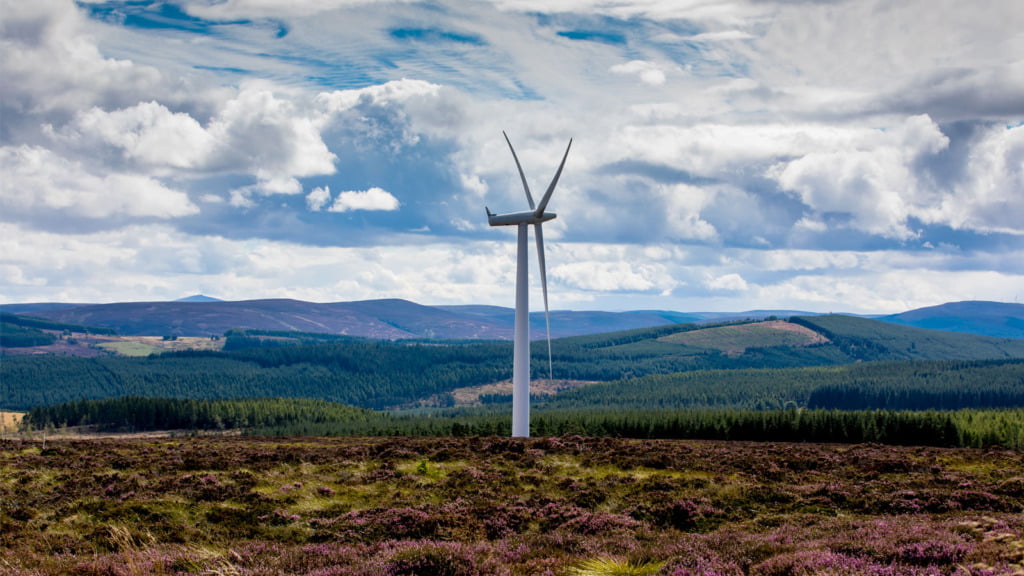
(9, 421)
(734, 340)
(470, 395)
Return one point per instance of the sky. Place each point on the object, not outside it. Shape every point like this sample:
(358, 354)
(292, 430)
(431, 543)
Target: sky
(817, 155)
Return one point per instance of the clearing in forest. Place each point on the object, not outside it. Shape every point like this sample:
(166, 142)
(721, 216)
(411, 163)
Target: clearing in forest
(734, 340)
(9, 421)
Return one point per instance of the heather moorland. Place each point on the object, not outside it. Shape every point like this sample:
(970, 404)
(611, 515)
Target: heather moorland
(489, 505)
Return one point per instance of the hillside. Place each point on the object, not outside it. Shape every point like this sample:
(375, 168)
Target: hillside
(999, 319)
(734, 340)
(203, 316)
(864, 339)
(572, 322)
(381, 375)
(386, 319)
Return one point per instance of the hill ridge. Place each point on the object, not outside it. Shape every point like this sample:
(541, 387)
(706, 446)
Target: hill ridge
(998, 319)
(396, 318)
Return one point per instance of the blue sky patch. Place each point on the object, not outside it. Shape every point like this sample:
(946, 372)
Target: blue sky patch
(594, 36)
(435, 35)
(151, 15)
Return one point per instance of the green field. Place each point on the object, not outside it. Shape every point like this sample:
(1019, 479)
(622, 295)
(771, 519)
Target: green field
(129, 348)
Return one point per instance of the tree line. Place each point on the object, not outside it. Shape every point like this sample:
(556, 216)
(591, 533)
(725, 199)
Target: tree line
(380, 375)
(290, 417)
(136, 413)
(910, 385)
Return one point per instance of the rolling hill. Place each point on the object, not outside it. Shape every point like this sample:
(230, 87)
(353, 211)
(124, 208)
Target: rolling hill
(385, 319)
(999, 319)
(379, 374)
(388, 319)
(393, 319)
(865, 339)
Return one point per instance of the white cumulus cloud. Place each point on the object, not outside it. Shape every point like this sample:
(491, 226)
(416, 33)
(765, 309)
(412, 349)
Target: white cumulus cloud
(38, 183)
(147, 133)
(728, 282)
(318, 198)
(990, 199)
(648, 72)
(872, 179)
(372, 199)
(51, 65)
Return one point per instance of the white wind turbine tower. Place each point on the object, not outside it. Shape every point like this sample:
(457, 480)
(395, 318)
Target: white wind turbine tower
(521, 344)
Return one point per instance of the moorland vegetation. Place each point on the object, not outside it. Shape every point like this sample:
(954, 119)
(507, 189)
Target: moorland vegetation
(487, 506)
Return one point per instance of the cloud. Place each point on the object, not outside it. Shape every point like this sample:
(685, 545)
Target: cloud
(872, 180)
(318, 198)
(236, 9)
(727, 282)
(51, 67)
(267, 135)
(889, 290)
(721, 36)
(648, 72)
(157, 262)
(145, 134)
(39, 184)
(608, 276)
(721, 157)
(989, 199)
(592, 267)
(945, 58)
(400, 91)
(683, 205)
(256, 133)
(372, 199)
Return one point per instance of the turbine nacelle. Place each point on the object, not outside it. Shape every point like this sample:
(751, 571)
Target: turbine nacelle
(516, 218)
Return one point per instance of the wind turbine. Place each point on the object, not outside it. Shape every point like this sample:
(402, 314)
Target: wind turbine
(521, 343)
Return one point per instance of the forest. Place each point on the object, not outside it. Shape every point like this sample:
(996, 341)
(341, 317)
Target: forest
(302, 417)
(381, 375)
(864, 381)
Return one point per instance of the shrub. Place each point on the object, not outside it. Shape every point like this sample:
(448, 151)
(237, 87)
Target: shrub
(432, 559)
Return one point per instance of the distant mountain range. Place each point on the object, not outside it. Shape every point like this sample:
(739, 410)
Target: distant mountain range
(999, 319)
(395, 319)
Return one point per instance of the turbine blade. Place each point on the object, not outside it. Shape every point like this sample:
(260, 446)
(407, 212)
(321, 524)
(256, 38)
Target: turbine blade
(554, 181)
(529, 197)
(544, 286)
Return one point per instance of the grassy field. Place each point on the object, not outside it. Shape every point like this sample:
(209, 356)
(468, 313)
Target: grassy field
(92, 345)
(9, 421)
(565, 506)
(129, 348)
(734, 340)
(146, 345)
